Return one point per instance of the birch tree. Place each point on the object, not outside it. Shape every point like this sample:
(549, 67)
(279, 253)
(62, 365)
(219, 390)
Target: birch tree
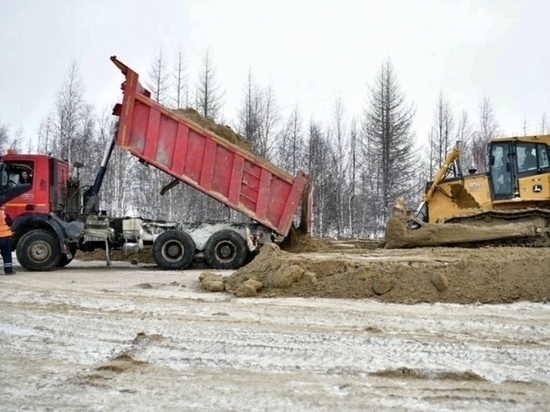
(68, 115)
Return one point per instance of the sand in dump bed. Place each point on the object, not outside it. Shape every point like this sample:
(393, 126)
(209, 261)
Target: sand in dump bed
(223, 131)
(452, 275)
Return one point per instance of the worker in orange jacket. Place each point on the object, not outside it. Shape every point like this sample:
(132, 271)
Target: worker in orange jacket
(5, 240)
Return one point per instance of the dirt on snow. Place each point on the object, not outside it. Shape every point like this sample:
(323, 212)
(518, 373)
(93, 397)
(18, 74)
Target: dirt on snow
(362, 268)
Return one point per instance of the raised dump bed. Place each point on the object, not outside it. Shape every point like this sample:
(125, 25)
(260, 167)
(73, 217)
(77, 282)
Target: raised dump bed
(197, 156)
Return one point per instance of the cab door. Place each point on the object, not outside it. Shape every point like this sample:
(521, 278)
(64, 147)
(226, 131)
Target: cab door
(502, 170)
(24, 200)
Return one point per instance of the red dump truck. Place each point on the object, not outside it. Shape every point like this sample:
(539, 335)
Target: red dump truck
(54, 218)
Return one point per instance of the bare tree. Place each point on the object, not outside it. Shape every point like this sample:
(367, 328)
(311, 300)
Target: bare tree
(292, 148)
(181, 98)
(4, 137)
(441, 133)
(86, 147)
(68, 115)
(208, 100)
(370, 194)
(465, 136)
(353, 175)
(114, 194)
(16, 143)
(46, 134)
(487, 129)
(159, 78)
(258, 117)
(318, 166)
(339, 144)
(269, 125)
(250, 112)
(391, 144)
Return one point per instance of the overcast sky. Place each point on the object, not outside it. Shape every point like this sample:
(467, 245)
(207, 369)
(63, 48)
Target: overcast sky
(310, 52)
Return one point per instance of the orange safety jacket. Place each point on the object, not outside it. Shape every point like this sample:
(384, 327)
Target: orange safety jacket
(5, 230)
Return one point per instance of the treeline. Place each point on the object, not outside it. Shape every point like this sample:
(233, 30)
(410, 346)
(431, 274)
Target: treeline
(360, 162)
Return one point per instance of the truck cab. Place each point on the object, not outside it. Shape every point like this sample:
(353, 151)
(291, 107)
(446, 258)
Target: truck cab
(47, 186)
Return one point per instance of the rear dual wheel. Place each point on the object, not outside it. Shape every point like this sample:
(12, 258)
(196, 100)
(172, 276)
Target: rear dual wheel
(225, 249)
(173, 249)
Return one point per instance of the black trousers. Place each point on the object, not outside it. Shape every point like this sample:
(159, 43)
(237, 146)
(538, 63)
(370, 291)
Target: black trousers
(5, 250)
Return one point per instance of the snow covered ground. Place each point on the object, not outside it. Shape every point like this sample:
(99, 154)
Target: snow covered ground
(92, 338)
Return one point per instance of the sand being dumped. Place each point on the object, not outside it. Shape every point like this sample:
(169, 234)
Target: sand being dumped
(452, 275)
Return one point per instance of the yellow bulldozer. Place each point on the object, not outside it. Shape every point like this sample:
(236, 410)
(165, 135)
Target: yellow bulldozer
(509, 204)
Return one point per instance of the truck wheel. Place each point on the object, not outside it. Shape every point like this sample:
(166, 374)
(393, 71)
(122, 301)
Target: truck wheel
(38, 250)
(173, 249)
(64, 260)
(225, 249)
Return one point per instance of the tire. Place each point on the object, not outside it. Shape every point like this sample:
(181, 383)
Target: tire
(38, 250)
(225, 249)
(64, 260)
(173, 249)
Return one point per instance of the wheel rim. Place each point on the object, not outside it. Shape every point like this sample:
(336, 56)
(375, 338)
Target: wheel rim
(40, 251)
(225, 251)
(173, 251)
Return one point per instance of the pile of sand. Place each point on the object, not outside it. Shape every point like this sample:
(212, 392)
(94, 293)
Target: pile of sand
(452, 275)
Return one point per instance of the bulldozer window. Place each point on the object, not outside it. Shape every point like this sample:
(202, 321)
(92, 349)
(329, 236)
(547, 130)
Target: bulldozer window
(527, 157)
(500, 170)
(543, 156)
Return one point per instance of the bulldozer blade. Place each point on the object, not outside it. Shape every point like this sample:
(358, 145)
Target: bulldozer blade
(398, 234)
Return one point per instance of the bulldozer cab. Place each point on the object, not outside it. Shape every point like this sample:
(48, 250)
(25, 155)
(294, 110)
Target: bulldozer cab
(510, 160)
